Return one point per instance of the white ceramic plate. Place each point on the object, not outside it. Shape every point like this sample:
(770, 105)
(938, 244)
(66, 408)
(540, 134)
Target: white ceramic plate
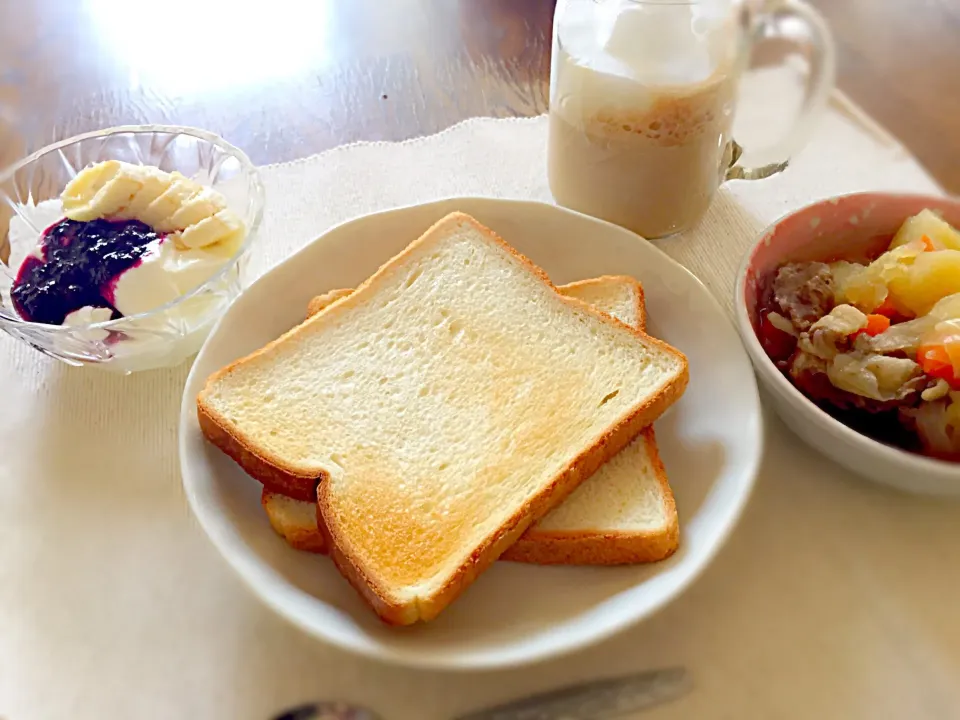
(711, 443)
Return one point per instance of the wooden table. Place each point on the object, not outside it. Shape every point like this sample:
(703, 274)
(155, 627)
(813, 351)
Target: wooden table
(287, 78)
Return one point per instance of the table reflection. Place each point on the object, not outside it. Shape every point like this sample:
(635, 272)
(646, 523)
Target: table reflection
(195, 47)
(280, 78)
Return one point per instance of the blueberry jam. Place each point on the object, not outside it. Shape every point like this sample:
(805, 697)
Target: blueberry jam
(80, 264)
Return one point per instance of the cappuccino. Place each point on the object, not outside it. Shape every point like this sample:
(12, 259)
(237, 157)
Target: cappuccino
(641, 105)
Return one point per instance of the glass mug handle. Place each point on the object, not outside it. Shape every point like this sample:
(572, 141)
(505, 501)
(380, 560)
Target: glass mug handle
(797, 23)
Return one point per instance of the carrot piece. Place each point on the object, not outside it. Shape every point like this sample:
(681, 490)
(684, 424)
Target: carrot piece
(935, 362)
(928, 245)
(877, 324)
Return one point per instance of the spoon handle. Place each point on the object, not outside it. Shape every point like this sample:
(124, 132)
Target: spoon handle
(596, 700)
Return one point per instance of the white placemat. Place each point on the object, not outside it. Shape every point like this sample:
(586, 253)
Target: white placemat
(833, 599)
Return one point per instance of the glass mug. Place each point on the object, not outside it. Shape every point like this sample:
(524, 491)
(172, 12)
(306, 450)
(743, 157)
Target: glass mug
(642, 96)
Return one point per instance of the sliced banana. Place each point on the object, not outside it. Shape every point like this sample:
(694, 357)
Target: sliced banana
(155, 183)
(100, 191)
(194, 215)
(158, 213)
(81, 190)
(223, 227)
(206, 203)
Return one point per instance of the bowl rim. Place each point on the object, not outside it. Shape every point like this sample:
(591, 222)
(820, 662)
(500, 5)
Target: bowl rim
(809, 410)
(257, 199)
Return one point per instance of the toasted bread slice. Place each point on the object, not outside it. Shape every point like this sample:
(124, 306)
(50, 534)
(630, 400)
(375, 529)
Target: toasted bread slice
(625, 513)
(320, 302)
(619, 296)
(295, 521)
(440, 409)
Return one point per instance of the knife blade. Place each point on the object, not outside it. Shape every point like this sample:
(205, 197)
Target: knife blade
(595, 700)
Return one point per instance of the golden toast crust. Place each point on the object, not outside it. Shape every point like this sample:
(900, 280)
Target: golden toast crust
(391, 605)
(546, 547)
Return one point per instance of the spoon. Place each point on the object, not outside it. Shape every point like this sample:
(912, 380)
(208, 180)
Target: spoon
(594, 700)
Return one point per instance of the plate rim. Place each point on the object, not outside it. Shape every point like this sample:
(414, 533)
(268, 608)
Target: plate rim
(253, 572)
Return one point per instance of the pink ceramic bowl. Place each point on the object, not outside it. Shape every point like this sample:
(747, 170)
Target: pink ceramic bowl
(847, 227)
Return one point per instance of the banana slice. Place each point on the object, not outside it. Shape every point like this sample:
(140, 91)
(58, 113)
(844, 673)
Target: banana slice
(193, 215)
(155, 183)
(223, 227)
(158, 213)
(100, 191)
(205, 203)
(81, 190)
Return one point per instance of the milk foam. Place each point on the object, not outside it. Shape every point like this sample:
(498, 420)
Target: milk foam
(653, 44)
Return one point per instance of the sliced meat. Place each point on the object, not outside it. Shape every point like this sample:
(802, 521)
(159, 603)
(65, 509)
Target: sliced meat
(804, 292)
